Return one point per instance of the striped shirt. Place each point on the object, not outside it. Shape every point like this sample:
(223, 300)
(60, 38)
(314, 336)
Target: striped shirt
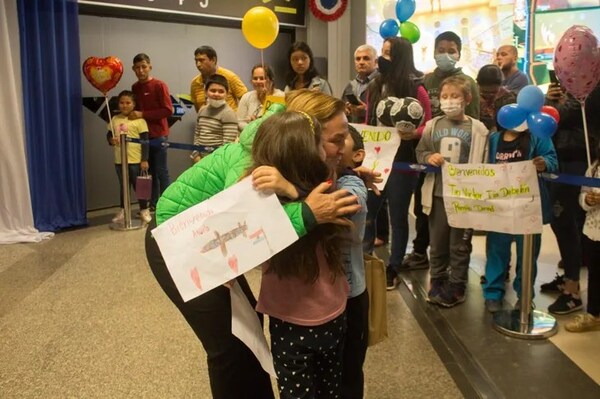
(216, 126)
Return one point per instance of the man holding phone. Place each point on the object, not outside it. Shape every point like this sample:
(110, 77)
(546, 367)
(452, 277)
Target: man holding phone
(365, 64)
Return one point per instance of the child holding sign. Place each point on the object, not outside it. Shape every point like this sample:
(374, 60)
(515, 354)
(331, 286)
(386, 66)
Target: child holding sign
(457, 138)
(513, 146)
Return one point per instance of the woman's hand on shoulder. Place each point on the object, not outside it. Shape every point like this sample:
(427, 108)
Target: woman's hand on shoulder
(268, 179)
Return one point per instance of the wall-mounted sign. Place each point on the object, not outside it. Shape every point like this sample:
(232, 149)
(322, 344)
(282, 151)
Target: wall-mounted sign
(289, 12)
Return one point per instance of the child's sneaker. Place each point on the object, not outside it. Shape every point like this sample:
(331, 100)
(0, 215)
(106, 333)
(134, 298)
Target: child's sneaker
(583, 323)
(391, 278)
(145, 216)
(565, 304)
(452, 295)
(119, 217)
(556, 285)
(437, 286)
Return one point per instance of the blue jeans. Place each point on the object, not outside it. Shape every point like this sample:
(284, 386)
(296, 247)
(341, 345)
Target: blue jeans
(157, 160)
(498, 257)
(398, 191)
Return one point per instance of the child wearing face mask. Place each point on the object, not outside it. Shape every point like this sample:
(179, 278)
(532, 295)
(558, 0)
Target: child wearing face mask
(447, 49)
(514, 146)
(217, 122)
(457, 138)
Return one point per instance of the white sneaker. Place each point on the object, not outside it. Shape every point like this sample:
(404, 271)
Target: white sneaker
(119, 217)
(145, 215)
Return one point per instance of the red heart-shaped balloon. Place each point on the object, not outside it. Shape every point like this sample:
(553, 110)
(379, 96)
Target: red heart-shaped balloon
(103, 73)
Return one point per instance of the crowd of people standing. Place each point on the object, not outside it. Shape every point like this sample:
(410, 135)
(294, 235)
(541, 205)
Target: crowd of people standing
(314, 291)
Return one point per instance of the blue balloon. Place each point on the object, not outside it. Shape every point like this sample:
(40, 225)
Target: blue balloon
(511, 115)
(541, 125)
(530, 98)
(405, 9)
(389, 28)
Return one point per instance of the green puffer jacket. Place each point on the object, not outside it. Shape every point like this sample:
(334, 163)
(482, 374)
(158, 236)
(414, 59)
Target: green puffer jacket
(215, 173)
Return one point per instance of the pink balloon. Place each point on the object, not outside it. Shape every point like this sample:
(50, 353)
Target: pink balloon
(577, 61)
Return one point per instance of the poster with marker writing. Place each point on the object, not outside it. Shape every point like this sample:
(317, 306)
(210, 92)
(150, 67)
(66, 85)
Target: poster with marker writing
(381, 145)
(504, 198)
(217, 240)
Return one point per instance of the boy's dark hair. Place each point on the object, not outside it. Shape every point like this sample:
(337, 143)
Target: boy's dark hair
(207, 51)
(141, 57)
(451, 37)
(490, 75)
(217, 79)
(127, 93)
(359, 143)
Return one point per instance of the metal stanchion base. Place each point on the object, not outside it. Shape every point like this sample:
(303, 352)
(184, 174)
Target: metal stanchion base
(541, 325)
(135, 225)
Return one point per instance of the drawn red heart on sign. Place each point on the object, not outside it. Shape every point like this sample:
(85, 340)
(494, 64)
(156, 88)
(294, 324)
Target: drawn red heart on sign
(103, 73)
(196, 278)
(377, 149)
(233, 263)
(386, 170)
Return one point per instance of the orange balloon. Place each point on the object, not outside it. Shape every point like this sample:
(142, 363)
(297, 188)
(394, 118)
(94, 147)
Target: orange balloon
(103, 73)
(260, 27)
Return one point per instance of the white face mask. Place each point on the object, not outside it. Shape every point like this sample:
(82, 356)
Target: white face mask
(215, 103)
(445, 61)
(451, 108)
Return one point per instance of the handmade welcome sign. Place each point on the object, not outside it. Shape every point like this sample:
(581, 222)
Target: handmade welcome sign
(381, 144)
(219, 239)
(504, 198)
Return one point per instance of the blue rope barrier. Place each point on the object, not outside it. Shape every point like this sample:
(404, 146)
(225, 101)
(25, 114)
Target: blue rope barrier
(572, 180)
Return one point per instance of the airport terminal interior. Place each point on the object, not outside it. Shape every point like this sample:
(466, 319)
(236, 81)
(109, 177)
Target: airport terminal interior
(81, 314)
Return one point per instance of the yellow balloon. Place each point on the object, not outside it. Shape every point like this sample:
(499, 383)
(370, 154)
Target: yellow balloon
(260, 27)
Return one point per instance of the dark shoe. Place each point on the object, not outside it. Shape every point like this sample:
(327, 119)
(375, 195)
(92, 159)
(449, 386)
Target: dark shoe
(507, 277)
(452, 295)
(152, 208)
(391, 278)
(556, 285)
(493, 305)
(482, 280)
(565, 304)
(415, 261)
(437, 286)
(560, 264)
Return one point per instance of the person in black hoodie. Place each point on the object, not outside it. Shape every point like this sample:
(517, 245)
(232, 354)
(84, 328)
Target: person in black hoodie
(398, 78)
(569, 218)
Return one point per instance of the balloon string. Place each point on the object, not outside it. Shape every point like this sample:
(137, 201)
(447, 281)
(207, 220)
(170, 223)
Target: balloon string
(262, 61)
(585, 133)
(112, 129)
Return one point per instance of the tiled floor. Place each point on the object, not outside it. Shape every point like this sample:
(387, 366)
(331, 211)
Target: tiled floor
(81, 316)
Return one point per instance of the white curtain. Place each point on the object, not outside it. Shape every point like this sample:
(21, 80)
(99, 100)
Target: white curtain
(16, 218)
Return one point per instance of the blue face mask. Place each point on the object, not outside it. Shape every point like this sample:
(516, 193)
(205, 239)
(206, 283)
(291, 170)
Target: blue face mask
(445, 61)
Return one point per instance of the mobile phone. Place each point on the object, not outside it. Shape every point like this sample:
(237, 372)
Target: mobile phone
(352, 99)
(553, 78)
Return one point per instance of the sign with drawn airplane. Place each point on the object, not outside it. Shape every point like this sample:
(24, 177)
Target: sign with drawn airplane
(221, 238)
(289, 12)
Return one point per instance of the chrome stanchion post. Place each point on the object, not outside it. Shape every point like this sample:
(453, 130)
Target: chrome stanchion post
(128, 224)
(526, 322)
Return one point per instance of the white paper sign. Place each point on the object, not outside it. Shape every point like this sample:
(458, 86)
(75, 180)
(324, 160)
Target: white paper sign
(381, 145)
(246, 326)
(504, 198)
(223, 237)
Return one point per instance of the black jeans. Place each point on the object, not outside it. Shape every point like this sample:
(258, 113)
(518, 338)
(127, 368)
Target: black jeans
(421, 241)
(355, 346)
(233, 370)
(593, 251)
(568, 220)
(134, 172)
